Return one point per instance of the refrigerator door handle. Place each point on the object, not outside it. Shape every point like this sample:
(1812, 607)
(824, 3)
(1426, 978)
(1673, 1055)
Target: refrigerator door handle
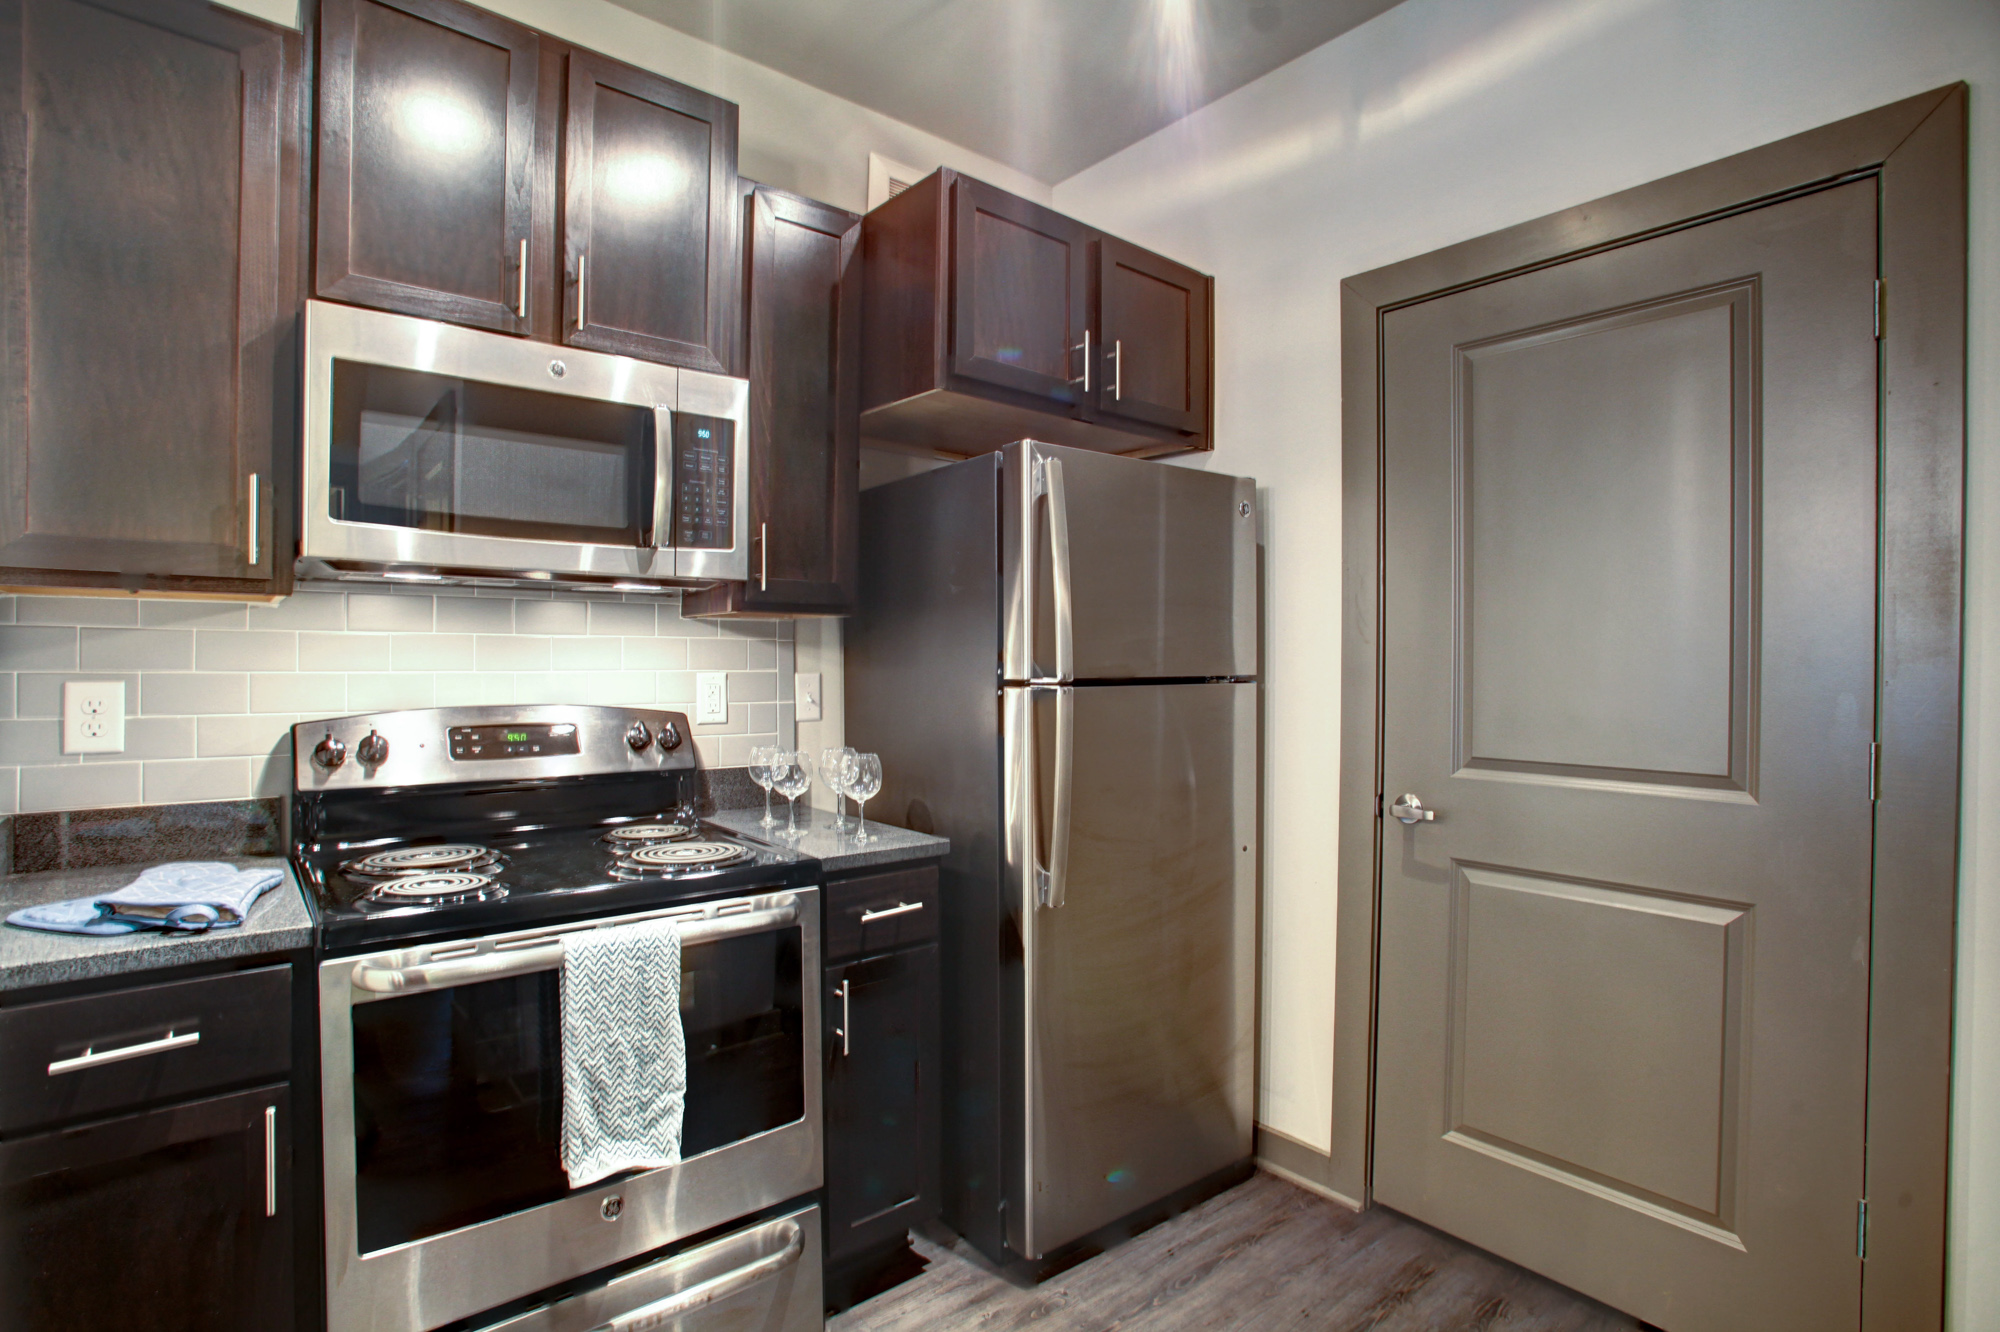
(1052, 879)
(1059, 579)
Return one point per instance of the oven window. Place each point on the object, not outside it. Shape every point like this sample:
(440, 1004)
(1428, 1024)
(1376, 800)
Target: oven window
(428, 451)
(458, 1093)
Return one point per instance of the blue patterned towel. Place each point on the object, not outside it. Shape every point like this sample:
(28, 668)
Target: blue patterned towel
(624, 1054)
(79, 915)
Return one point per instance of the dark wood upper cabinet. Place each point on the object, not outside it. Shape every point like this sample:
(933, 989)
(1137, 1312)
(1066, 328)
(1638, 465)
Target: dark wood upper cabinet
(1153, 322)
(150, 278)
(804, 331)
(650, 238)
(427, 118)
(990, 318)
(1020, 276)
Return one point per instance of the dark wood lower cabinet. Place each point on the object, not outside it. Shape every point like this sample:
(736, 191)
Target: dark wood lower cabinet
(173, 1220)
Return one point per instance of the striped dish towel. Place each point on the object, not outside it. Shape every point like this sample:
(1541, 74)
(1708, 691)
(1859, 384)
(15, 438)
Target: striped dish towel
(624, 1055)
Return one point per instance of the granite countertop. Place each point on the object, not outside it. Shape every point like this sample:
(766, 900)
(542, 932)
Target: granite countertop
(277, 922)
(835, 851)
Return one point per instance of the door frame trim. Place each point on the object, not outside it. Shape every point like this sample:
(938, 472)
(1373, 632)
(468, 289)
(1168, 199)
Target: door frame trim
(1915, 150)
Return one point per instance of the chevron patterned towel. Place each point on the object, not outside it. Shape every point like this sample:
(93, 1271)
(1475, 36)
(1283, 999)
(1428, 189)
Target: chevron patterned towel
(624, 1055)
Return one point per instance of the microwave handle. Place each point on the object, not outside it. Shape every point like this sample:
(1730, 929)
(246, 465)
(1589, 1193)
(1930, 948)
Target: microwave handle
(660, 528)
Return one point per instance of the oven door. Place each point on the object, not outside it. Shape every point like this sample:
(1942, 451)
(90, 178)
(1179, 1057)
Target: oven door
(441, 1098)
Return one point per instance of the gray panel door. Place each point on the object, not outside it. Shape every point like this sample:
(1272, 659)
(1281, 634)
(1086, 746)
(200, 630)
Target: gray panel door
(1162, 561)
(1629, 661)
(1139, 1015)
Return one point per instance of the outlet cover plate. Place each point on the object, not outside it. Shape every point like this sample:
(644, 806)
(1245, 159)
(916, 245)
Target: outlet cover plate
(93, 717)
(711, 698)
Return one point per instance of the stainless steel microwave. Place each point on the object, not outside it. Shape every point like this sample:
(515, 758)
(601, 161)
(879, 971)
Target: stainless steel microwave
(435, 453)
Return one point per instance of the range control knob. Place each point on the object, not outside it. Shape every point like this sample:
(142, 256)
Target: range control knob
(637, 736)
(670, 736)
(372, 750)
(330, 753)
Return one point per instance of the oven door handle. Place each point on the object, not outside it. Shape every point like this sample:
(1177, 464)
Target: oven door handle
(661, 1312)
(531, 956)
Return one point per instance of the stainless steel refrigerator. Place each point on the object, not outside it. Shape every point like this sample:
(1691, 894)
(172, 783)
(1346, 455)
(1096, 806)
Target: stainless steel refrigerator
(1056, 658)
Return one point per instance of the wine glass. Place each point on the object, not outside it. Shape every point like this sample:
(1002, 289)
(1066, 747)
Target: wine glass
(762, 757)
(836, 767)
(794, 778)
(864, 785)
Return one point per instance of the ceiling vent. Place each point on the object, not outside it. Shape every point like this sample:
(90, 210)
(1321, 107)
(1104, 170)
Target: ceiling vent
(887, 179)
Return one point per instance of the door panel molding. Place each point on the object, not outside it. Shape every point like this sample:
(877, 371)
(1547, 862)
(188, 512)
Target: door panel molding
(1914, 151)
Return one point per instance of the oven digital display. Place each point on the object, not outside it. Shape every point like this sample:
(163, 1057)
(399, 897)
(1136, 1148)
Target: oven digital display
(522, 740)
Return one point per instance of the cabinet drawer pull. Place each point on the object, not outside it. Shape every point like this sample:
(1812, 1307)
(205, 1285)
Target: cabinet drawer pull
(1084, 347)
(582, 285)
(763, 557)
(270, 1160)
(1117, 369)
(254, 552)
(900, 909)
(521, 292)
(845, 1021)
(93, 1058)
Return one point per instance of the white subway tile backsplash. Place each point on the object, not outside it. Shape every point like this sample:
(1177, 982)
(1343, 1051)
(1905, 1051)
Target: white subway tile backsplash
(38, 648)
(197, 779)
(431, 652)
(319, 695)
(245, 650)
(81, 786)
(173, 694)
(390, 614)
(212, 688)
(137, 649)
(619, 617)
(78, 610)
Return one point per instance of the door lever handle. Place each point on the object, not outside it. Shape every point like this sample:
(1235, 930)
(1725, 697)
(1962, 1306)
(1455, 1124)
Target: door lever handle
(1409, 809)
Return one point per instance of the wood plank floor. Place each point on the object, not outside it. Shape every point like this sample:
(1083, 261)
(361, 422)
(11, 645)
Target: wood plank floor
(1266, 1256)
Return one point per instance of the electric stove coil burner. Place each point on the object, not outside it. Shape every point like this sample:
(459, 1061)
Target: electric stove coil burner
(434, 890)
(630, 835)
(426, 860)
(669, 858)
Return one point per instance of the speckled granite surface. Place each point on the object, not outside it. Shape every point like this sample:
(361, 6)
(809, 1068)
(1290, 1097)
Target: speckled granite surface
(147, 834)
(278, 921)
(837, 851)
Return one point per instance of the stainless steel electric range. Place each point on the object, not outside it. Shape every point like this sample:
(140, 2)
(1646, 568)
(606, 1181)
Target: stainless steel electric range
(448, 852)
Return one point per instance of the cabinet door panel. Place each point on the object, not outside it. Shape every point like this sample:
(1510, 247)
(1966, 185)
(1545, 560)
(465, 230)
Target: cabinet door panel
(427, 132)
(1019, 281)
(1153, 314)
(650, 217)
(881, 1098)
(161, 1222)
(145, 286)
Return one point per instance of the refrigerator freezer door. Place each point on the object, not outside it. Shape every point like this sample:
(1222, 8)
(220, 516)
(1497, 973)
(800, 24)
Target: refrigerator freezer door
(1138, 1027)
(1162, 565)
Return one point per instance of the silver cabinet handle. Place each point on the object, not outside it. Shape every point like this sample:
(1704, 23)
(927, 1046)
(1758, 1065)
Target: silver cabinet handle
(527, 956)
(1409, 809)
(95, 1058)
(1118, 368)
(659, 1313)
(254, 552)
(1084, 347)
(1059, 571)
(845, 992)
(270, 1160)
(763, 557)
(1052, 879)
(900, 909)
(582, 272)
(521, 294)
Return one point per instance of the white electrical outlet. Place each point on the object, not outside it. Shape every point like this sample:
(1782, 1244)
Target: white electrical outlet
(805, 695)
(711, 698)
(93, 717)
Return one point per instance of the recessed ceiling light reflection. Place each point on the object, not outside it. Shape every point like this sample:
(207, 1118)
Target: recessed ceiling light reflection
(439, 122)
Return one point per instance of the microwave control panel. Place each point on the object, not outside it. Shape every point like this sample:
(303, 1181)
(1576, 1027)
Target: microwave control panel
(704, 481)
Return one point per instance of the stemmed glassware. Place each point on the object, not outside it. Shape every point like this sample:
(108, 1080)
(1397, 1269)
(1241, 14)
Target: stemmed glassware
(792, 774)
(762, 758)
(836, 769)
(863, 786)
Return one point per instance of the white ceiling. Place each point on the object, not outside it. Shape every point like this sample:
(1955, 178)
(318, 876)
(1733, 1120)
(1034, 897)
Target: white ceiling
(1046, 86)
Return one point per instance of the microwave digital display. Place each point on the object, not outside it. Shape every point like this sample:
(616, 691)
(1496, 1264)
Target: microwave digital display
(704, 481)
(521, 740)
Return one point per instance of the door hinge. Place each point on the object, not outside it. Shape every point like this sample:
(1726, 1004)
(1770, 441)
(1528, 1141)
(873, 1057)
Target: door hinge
(1881, 305)
(1861, 1230)
(1874, 769)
